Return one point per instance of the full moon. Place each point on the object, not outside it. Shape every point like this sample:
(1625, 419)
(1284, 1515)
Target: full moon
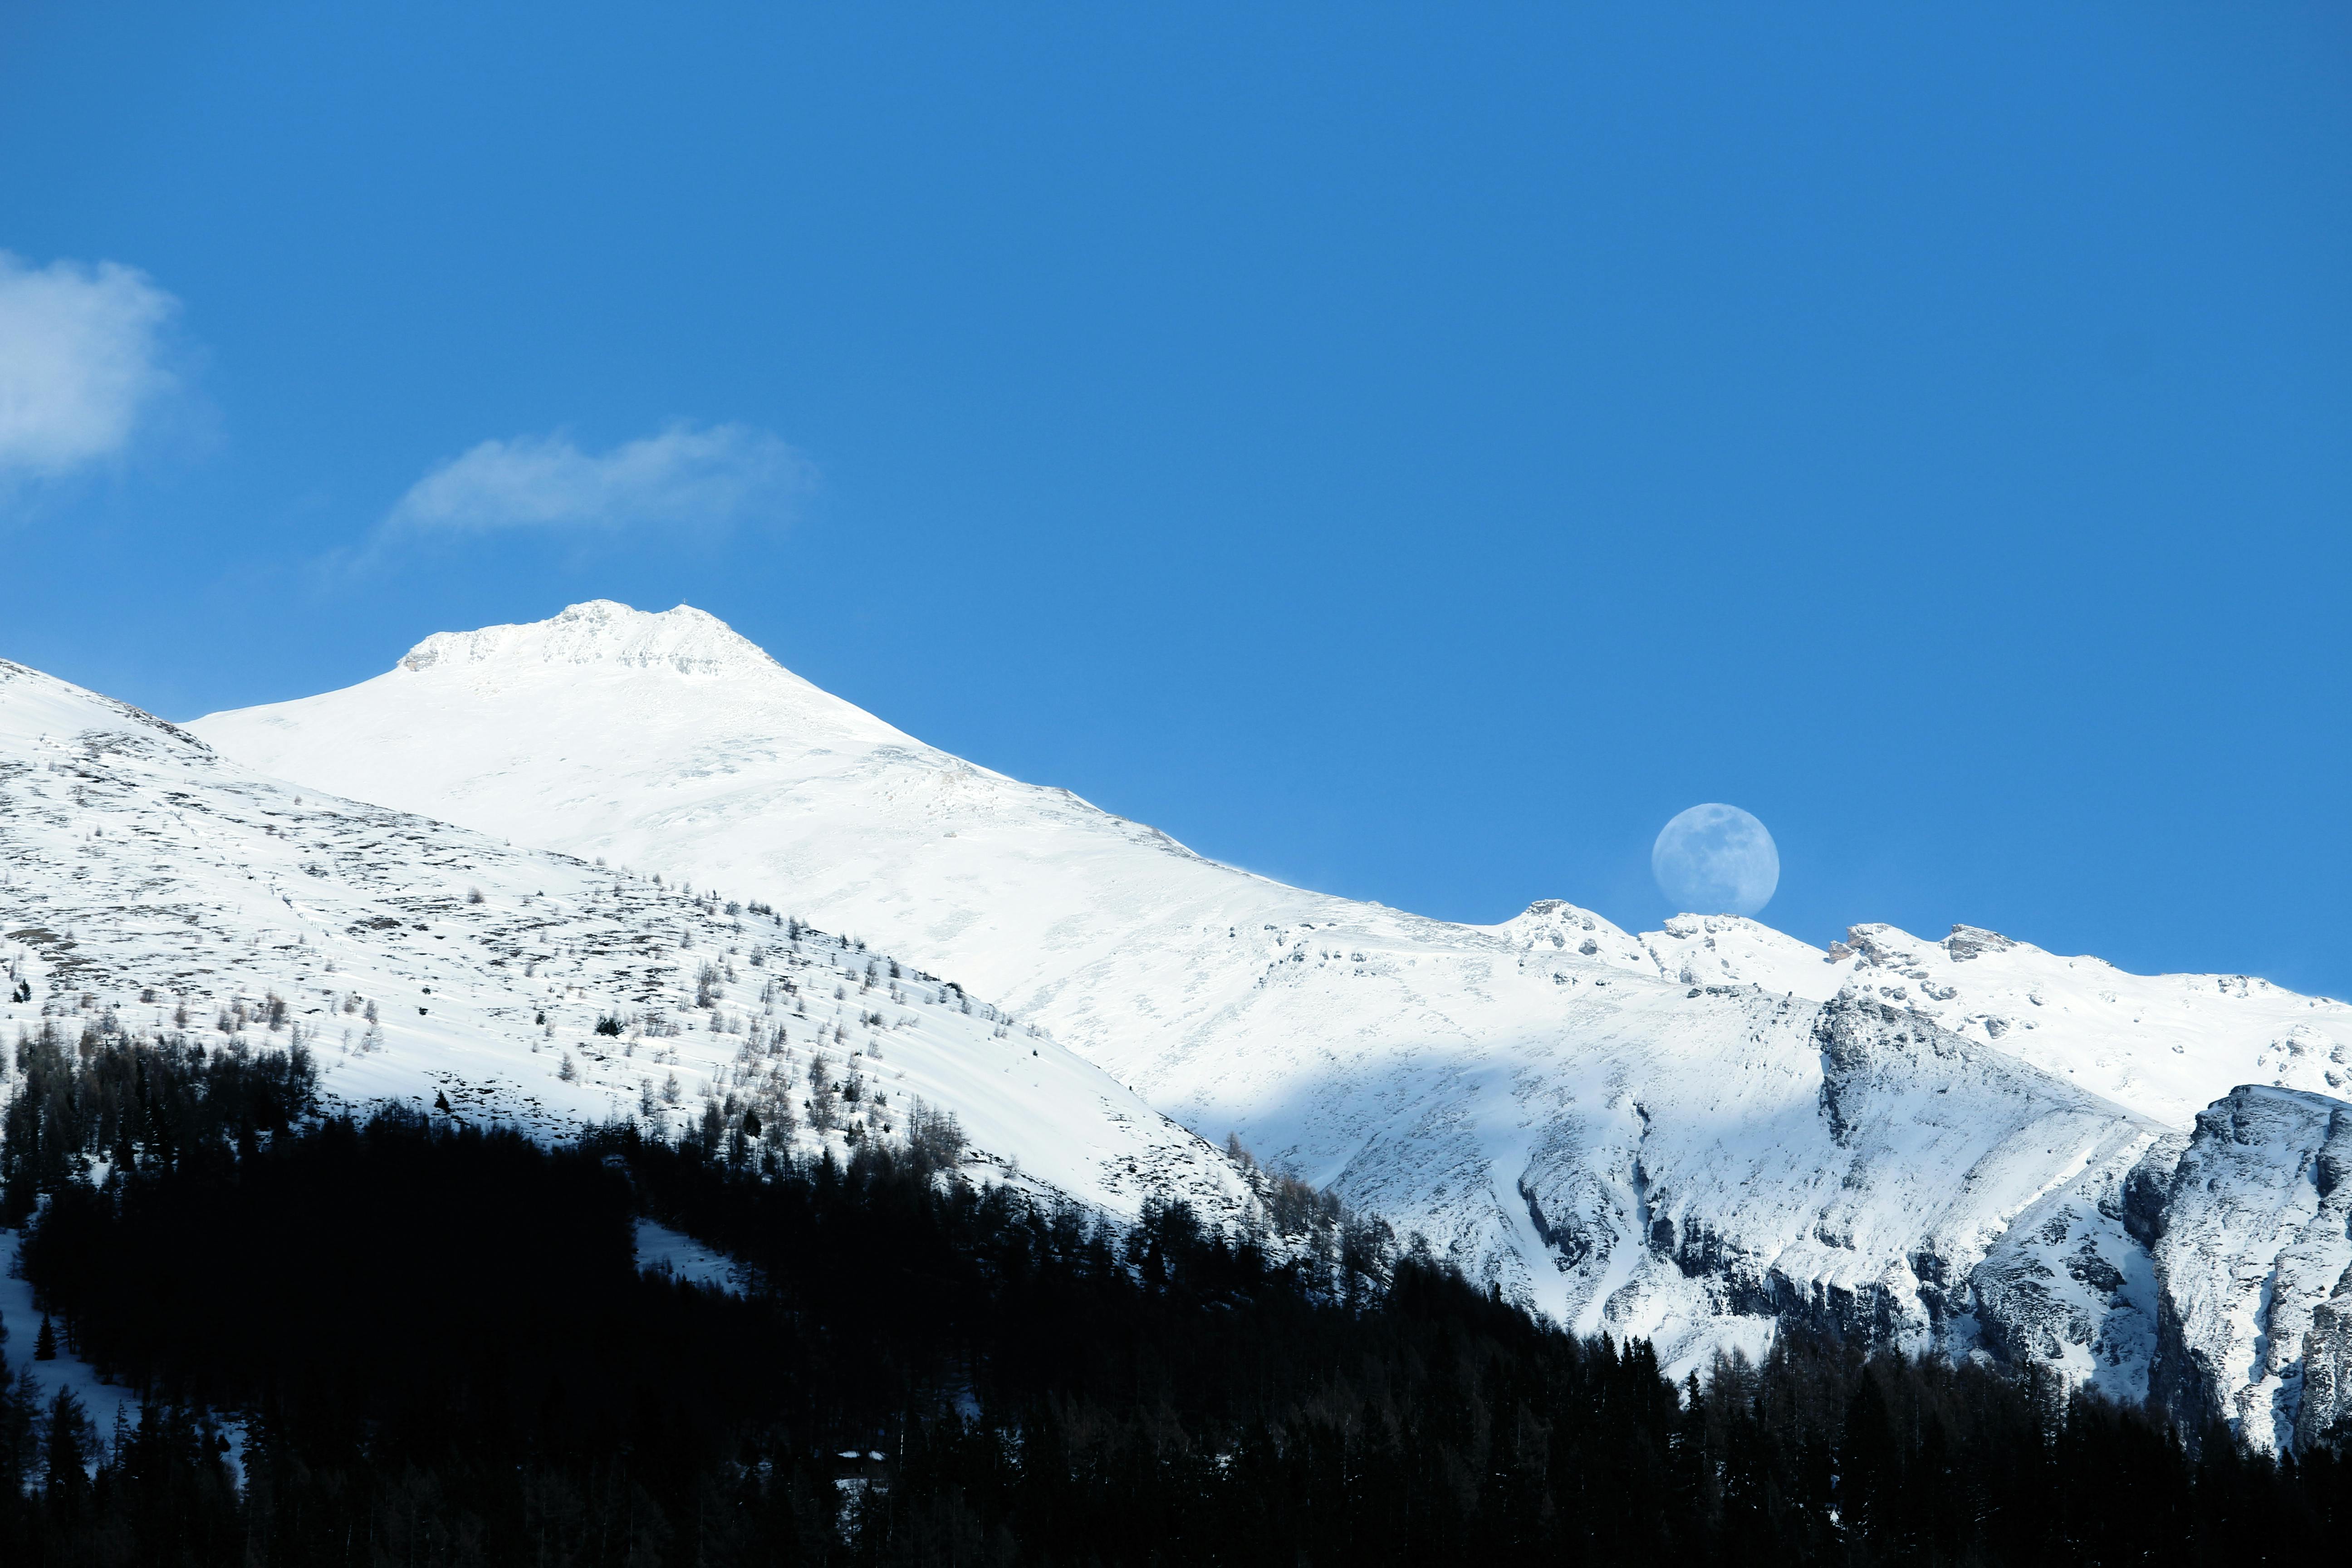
(1716, 860)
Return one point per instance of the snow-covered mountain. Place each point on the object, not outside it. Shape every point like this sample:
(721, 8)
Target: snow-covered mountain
(147, 884)
(1691, 1133)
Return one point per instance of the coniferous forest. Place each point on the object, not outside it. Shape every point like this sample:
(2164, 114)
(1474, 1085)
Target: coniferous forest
(433, 1345)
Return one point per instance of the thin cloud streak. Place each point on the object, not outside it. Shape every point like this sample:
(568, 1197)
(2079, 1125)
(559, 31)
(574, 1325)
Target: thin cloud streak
(682, 478)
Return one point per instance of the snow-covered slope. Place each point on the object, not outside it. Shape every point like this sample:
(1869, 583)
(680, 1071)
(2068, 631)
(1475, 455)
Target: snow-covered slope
(147, 884)
(2165, 1044)
(668, 742)
(1691, 1133)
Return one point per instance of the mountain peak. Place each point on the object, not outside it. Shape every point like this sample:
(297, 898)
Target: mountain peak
(600, 631)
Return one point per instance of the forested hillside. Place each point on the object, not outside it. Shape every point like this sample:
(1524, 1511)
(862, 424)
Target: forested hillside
(442, 1351)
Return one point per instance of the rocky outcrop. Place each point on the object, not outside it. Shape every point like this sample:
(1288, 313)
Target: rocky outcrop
(2323, 1416)
(2071, 1287)
(1974, 941)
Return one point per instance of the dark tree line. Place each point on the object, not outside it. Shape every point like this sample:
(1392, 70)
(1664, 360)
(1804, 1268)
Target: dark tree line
(441, 1351)
(139, 1104)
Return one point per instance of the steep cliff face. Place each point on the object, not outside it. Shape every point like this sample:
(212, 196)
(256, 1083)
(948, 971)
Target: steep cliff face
(2255, 1264)
(2071, 1286)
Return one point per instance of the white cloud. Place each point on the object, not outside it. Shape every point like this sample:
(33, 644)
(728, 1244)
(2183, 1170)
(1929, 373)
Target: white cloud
(682, 478)
(80, 351)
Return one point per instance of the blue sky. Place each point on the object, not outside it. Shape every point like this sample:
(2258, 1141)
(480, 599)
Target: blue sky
(1413, 451)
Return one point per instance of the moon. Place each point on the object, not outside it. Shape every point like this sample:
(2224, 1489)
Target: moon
(1716, 860)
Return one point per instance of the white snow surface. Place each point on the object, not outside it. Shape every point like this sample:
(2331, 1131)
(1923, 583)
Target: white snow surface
(666, 742)
(1690, 1133)
(674, 1255)
(105, 1403)
(2166, 1046)
(140, 875)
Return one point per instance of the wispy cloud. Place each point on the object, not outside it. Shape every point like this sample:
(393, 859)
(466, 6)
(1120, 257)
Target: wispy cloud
(683, 478)
(81, 351)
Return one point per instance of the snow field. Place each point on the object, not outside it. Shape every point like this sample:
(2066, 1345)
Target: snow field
(148, 886)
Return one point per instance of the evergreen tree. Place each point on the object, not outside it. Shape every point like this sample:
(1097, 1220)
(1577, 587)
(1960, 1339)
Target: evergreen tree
(69, 1449)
